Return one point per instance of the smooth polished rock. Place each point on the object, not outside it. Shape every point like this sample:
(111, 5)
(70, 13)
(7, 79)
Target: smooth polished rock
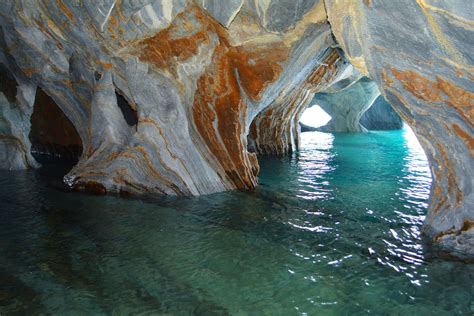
(280, 15)
(420, 55)
(167, 63)
(381, 116)
(223, 12)
(275, 130)
(346, 106)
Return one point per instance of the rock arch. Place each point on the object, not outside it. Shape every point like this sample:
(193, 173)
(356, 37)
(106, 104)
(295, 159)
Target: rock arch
(198, 74)
(52, 135)
(427, 77)
(346, 106)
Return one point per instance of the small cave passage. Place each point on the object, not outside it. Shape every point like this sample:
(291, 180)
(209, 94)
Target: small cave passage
(53, 137)
(129, 114)
(313, 118)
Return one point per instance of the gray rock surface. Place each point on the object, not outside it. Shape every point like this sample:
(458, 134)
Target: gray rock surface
(420, 53)
(347, 106)
(223, 12)
(280, 15)
(381, 116)
(201, 77)
(176, 64)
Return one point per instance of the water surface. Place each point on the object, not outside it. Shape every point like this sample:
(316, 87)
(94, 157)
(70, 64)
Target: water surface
(332, 230)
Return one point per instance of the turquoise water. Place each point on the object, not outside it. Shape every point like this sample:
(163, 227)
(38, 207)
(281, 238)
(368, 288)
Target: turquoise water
(334, 230)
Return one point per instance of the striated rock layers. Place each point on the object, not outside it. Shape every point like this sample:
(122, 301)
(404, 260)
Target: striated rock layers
(161, 93)
(420, 54)
(381, 116)
(165, 94)
(346, 106)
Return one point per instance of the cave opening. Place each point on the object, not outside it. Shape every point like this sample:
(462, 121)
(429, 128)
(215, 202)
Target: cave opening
(53, 137)
(313, 117)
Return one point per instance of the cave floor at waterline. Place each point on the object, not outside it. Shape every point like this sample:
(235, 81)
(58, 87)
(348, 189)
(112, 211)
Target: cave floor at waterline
(334, 229)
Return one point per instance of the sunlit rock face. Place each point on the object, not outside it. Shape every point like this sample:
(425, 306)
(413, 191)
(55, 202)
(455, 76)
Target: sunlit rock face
(420, 55)
(380, 116)
(161, 93)
(346, 106)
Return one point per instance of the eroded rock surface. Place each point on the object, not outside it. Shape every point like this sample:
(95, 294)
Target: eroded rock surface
(420, 54)
(163, 93)
(346, 106)
(191, 76)
(16, 105)
(380, 116)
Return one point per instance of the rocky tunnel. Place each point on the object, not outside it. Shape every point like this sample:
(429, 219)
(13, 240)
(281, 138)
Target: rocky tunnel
(52, 135)
(243, 76)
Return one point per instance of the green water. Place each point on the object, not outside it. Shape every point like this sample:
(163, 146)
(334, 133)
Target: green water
(334, 230)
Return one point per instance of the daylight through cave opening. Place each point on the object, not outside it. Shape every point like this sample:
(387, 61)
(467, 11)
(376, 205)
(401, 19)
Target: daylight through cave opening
(313, 117)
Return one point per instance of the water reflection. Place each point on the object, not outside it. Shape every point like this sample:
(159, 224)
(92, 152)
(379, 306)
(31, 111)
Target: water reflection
(333, 230)
(315, 164)
(378, 181)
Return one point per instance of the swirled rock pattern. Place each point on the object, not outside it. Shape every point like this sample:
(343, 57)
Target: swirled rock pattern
(163, 93)
(420, 54)
(17, 95)
(194, 73)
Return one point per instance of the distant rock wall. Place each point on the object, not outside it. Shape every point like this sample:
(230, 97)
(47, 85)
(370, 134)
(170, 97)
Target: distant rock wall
(275, 130)
(381, 116)
(346, 106)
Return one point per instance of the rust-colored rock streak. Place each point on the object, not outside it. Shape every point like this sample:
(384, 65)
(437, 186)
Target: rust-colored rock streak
(275, 131)
(218, 102)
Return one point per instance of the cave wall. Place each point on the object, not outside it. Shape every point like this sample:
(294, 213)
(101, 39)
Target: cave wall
(381, 116)
(276, 130)
(420, 55)
(196, 73)
(16, 106)
(199, 76)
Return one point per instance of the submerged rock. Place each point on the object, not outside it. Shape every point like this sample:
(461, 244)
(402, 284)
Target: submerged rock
(381, 116)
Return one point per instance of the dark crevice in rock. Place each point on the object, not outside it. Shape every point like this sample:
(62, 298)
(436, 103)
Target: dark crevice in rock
(129, 114)
(381, 116)
(53, 137)
(8, 84)
(97, 75)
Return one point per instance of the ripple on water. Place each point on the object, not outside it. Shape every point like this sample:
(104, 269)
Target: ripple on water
(335, 229)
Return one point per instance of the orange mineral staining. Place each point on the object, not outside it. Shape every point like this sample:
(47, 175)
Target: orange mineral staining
(438, 91)
(465, 136)
(258, 67)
